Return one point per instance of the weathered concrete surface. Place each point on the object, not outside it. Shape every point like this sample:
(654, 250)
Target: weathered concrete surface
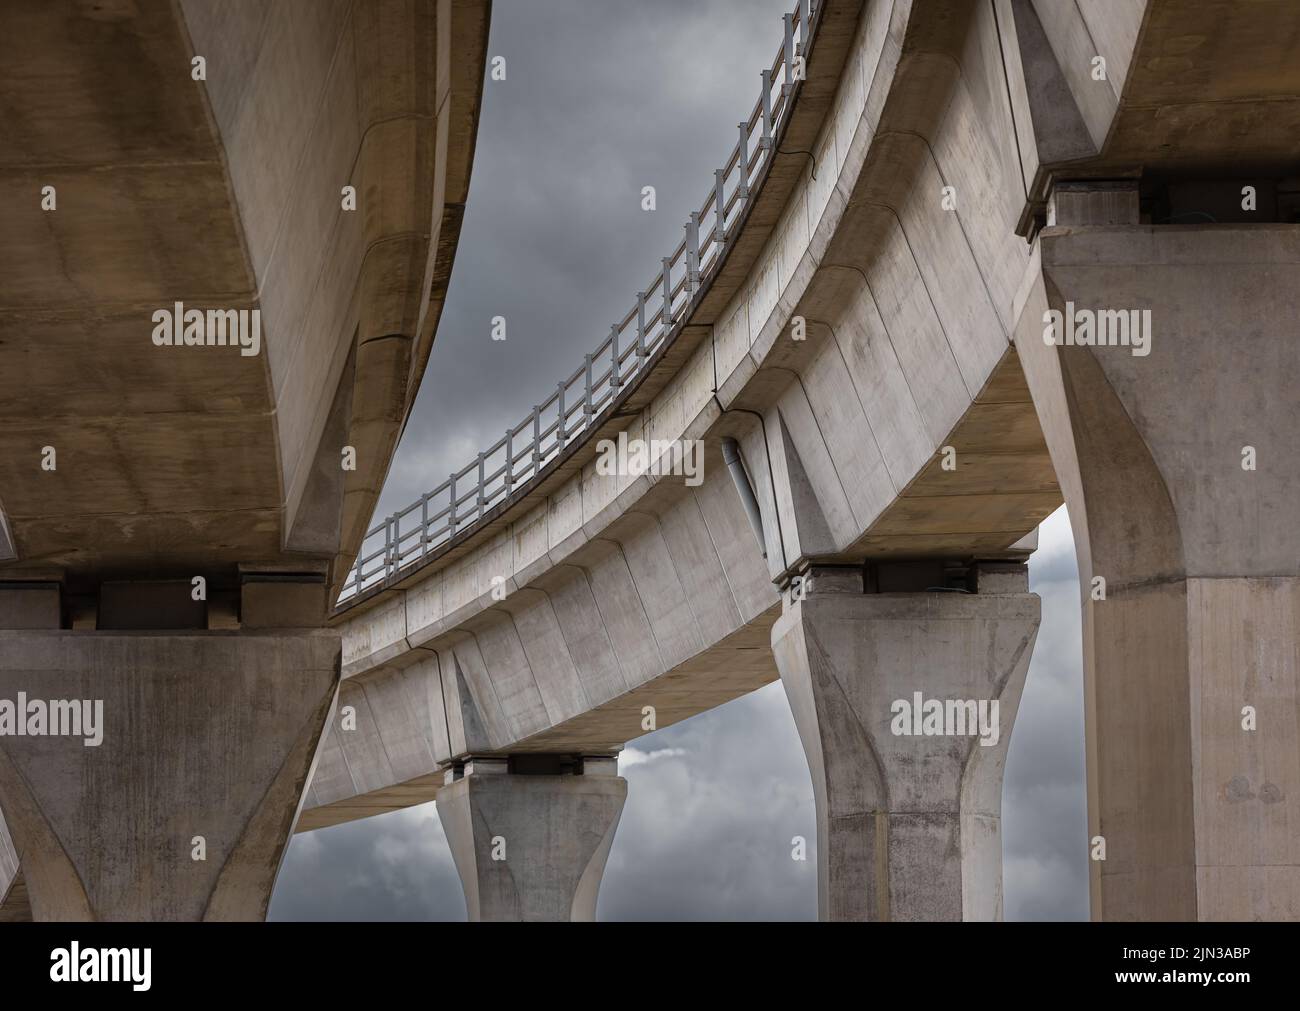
(633, 592)
(667, 605)
(220, 193)
(911, 307)
(908, 827)
(204, 734)
(532, 847)
(1200, 558)
(1190, 90)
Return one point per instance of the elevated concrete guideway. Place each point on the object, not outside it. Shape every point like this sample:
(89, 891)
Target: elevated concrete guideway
(853, 329)
(629, 592)
(933, 156)
(175, 516)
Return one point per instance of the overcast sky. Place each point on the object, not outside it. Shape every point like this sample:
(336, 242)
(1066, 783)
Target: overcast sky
(602, 98)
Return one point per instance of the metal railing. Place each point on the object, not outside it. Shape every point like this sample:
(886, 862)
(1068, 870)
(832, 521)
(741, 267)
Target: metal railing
(520, 456)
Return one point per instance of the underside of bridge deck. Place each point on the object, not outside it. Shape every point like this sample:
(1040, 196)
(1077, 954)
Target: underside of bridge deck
(998, 256)
(226, 241)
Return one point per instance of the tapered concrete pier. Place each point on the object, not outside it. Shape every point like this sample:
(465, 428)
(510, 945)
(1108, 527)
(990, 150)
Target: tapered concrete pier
(905, 702)
(530, 845)
(1180, 471)
(183, 808)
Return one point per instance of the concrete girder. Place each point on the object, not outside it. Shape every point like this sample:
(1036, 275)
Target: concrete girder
(185, 460)
(567, 661)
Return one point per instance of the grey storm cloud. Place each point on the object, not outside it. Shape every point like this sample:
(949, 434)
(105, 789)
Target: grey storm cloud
(600, 100)
(1044, 819)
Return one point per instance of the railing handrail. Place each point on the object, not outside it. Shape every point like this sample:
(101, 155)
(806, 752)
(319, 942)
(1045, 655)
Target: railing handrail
(622, 355)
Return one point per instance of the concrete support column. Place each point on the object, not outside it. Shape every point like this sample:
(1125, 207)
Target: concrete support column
(529, 844)
(158, 775)
(1177, 457)
(904, 702)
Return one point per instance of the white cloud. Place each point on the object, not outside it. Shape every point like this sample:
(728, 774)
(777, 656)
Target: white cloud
(634, 756)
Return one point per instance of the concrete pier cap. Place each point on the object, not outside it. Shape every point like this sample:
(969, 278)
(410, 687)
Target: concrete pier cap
(904, 679)
(530, 833)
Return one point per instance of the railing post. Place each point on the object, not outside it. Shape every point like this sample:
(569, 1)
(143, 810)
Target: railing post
(560, 434)
(510, 461)
(388, 546)
(765, 142)
(537, 440)
(668, 295)
(693, 253)
(451, 509)
(586, 393)
(805, 19)
(615, 381)
(789, 56)
(743, 162)
(640, 324)
(424, 524)
(480, 487)
(720, 205)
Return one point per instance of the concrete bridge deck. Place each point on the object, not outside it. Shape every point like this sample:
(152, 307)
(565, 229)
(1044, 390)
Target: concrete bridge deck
(913, 244)
(910, 307)
(865, 335)
(225, 193)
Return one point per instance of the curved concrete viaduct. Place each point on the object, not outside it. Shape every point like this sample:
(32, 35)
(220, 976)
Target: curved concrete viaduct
(951, 171)
(862, 358)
